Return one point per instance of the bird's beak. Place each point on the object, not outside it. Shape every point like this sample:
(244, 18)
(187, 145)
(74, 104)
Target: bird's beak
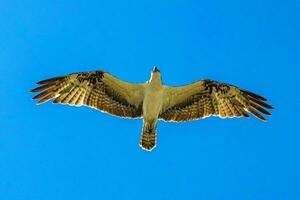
(155, 69)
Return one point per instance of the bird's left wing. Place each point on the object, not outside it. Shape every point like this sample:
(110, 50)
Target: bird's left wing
(96, 89)
(206, 98)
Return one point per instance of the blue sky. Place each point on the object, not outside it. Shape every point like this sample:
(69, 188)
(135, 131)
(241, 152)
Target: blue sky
(60, 152)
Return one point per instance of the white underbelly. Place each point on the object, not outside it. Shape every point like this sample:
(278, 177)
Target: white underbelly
(152, 104)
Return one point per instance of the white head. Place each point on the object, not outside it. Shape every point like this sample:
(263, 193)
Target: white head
(155, 75)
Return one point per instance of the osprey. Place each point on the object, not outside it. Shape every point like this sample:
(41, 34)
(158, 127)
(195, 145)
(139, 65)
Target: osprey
(152, 100)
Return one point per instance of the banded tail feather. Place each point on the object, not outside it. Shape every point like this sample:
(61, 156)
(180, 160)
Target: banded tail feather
(148, 137)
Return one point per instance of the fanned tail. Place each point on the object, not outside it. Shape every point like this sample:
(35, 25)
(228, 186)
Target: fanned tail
(148, 137)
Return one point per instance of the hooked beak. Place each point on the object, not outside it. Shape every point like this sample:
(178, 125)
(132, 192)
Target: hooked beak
(155, 69)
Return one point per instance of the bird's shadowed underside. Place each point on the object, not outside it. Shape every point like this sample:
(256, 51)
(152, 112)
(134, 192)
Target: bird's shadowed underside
(152, 100)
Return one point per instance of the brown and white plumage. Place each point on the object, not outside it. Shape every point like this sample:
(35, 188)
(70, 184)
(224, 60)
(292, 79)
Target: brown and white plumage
(152, 100)
(97, 90)
(206, 98)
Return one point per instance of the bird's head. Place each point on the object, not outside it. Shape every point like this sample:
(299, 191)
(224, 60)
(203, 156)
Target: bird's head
(155, 75)
(155, 70)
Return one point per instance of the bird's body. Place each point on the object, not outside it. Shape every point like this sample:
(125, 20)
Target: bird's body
(152, 100)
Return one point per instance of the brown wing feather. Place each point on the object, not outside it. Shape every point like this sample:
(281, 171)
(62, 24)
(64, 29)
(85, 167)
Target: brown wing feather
(93, 89)
(217, 99)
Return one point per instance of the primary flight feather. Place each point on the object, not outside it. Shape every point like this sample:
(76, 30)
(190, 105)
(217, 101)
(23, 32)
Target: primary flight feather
(152, 100)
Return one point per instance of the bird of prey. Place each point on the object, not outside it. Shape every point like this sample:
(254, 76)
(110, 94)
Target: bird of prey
(152, 100)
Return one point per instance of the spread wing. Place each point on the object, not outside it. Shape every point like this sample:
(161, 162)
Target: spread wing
(206, 98)
(97, 89)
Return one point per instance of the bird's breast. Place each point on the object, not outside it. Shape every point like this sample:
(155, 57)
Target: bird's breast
(152, 104)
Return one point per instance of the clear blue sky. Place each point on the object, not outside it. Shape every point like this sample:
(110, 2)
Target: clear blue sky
(58, 152)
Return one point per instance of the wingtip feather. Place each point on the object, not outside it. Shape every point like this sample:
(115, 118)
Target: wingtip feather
(50, 80)
(256, 96)
(256, 114)
(260, 109)
(41, 88)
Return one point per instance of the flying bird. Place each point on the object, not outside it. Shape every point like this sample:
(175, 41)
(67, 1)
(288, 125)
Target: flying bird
(152, 100)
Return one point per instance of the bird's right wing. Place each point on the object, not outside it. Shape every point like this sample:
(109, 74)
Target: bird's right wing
(206, 98)
(96, 89)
